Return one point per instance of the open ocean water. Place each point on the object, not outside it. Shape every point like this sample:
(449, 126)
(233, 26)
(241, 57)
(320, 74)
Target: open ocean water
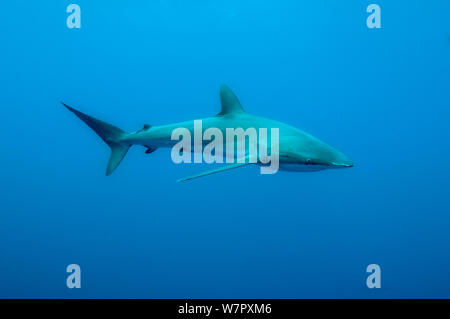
(381, 96)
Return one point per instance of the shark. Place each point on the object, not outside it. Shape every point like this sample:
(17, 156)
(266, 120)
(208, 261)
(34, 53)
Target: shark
(298, 151)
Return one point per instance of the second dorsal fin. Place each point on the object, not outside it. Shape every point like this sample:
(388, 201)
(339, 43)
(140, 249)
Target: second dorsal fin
(229, 101)
(143, 129)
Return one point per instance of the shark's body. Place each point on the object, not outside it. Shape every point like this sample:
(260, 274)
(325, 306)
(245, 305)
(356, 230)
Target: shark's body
(298, 151)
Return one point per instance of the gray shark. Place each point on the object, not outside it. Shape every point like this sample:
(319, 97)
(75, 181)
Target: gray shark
(298, 150)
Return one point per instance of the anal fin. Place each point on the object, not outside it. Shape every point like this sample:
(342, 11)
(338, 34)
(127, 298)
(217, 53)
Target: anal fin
(150, 149)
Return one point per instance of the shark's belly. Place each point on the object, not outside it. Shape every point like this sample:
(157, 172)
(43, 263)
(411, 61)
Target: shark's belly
(300, 167)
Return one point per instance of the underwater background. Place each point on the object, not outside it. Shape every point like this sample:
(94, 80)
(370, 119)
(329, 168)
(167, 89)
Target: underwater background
(381, 96)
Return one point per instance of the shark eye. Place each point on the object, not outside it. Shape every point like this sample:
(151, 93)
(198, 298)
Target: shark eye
(308, 161)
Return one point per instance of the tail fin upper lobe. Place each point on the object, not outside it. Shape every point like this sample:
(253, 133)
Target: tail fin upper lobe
(110, 134)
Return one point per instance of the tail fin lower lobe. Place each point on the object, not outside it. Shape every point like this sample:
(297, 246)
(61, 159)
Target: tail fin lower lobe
(110, 134)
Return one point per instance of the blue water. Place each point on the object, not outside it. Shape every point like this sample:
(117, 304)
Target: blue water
(381, 96)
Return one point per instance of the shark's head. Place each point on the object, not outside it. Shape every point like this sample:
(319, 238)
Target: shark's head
(307, 153)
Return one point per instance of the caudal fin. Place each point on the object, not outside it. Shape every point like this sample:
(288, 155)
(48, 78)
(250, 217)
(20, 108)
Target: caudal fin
(110, 134)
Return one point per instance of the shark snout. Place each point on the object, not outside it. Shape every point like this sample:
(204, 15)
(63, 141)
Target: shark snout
(340, 160)
(343, 163)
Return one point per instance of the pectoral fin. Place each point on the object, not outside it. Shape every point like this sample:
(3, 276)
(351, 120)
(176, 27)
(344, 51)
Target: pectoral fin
(214, 171)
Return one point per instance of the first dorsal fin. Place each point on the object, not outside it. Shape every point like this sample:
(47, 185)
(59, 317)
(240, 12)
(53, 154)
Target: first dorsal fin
(229, 101)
